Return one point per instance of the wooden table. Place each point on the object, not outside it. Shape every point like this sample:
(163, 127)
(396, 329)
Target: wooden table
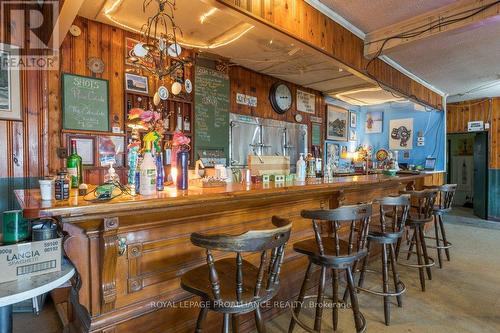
(131, 252)
(23, 289)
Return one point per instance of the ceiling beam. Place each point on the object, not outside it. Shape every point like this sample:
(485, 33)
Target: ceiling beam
(66, 17)
(458, 15)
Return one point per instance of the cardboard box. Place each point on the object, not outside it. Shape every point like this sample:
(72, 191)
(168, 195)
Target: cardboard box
(24, 260)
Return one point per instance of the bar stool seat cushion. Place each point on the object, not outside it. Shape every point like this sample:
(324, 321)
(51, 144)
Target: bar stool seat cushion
(197, 282)
(309, 247)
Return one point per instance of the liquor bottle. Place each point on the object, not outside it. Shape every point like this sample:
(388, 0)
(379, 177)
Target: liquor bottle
(187, 124)
(74, 167)
(179, 119)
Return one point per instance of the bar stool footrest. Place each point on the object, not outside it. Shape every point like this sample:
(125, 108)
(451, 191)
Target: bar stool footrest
(446, 246)
(432, 262)
(312, 330)
(401, 288)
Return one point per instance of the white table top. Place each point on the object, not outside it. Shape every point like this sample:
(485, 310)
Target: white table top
(23, 289)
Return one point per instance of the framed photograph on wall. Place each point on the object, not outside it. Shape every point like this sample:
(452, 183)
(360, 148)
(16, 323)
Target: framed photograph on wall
(353, 135)
(112, 150)
(401, 134)
(332, 152)
(85, 146)
(353, 119)
(136, 83)
(10, 86)
(336, 123)
(374, 122)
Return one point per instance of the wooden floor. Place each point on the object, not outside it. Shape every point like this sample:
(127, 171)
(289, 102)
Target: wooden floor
(463, 297)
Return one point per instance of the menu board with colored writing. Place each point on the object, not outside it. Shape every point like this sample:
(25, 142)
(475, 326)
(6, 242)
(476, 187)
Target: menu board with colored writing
(85, 104)
(211, 120)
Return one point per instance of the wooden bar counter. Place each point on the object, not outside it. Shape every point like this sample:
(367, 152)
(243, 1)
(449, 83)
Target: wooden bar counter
(131, 252)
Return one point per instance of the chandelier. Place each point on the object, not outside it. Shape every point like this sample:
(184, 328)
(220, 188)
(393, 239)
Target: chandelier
(158, 51)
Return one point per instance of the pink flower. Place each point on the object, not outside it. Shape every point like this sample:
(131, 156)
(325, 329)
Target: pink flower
(147, 116)
(180, 139)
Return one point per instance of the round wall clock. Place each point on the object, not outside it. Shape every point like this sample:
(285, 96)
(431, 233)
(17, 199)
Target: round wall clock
(281, 98)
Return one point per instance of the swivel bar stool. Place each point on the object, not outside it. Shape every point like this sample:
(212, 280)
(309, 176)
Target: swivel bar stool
(331, 252)
(234, 287)
(421, 213)
(393, 215)
(444, 201)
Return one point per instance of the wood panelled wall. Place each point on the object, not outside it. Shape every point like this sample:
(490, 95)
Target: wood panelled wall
(24, 144)
(251, 83)
(487, 110)
(301, 21)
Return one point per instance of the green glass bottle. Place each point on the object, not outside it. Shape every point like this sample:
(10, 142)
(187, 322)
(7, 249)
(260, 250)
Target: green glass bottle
(74, 166)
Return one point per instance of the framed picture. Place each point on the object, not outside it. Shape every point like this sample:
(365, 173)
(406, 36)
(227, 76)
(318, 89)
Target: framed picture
(136, 83)
(353, 135)
(112, 150)
(353, 118)
(336, 123)
(374, 122)
(332, 151)
(10, 86)
(401, 134)
(85, 146)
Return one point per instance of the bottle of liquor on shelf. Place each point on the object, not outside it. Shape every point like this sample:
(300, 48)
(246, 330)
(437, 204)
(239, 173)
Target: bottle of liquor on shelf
(187, 124)
(74, 167)
(179, 119)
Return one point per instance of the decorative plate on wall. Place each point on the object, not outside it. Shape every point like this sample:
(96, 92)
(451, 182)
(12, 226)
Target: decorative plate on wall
(280, 97)
(95, 65)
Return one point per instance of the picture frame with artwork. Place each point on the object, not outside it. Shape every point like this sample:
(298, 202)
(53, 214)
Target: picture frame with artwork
(112, 150)
(85, 146)
(332, 153)
(374, 122)
(337, 120)
(10, 86)
(401, 134)
(353, 119)
(353, 135)
(136, 83)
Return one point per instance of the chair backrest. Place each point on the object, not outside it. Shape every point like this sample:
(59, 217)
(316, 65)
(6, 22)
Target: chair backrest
(446, 195)
(422, 203)
(393, 213)
(263, 241)
(357, 217)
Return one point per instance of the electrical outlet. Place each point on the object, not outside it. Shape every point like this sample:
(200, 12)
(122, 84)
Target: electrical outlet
(420, 139)
(62, 152)
(420, 143)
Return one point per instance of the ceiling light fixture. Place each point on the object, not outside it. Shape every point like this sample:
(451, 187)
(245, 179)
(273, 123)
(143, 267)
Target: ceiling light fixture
(158, 52)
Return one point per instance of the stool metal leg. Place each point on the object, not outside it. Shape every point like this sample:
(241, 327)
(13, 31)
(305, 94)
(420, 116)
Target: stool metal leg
(319, 301)
(438, 245)
(300, 299)
(335, 288)
(201, 319)
(419, 258)
(225, 326)
(385, 279)
(443, 233)
(365, 264)
(358, 318)
(424, 250)
(395, 275)
(261, 328)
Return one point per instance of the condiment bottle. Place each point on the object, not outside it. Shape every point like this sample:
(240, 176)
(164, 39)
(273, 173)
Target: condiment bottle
(62, 186)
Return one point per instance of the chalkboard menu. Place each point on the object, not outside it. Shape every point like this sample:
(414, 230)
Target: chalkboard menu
(85, 103)
(211, 120)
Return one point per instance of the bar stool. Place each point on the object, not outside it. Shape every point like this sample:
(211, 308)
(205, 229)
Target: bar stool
(332, 252)
(420, 214)
(234, 287)
(444, 202)
(393, 215)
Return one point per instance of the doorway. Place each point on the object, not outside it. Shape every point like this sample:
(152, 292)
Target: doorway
(467, 166)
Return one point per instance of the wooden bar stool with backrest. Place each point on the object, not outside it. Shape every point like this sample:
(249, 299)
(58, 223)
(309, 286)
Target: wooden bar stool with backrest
(332, 252)
(234, 287)
(446, 193)
(393, 215)
(421, 213)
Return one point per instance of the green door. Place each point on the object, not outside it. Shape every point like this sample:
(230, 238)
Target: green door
(481, 175)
